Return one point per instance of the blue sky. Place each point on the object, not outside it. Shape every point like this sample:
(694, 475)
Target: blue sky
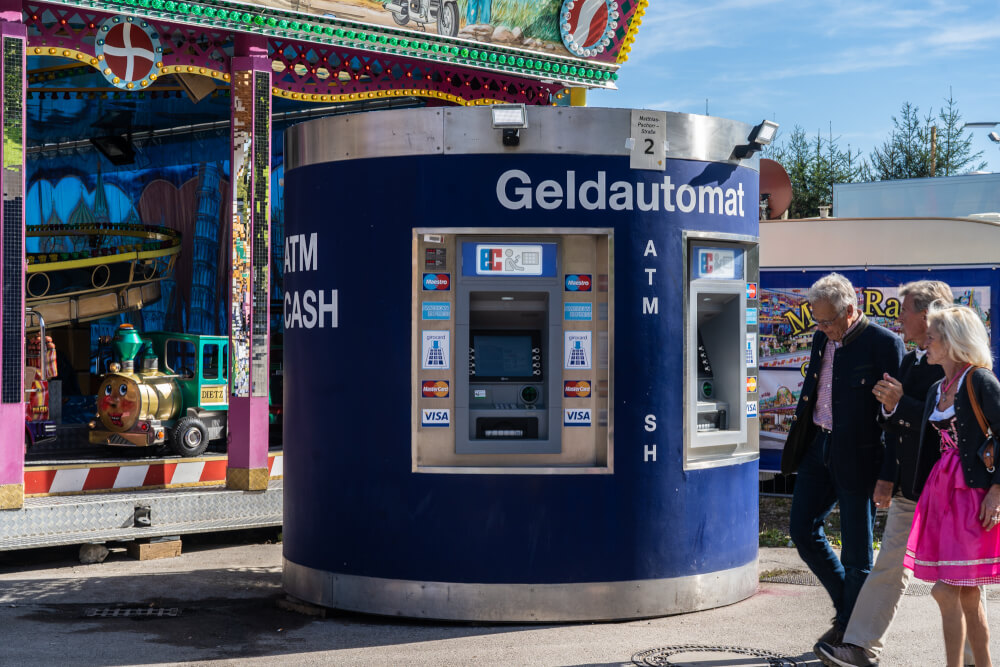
(807, 63)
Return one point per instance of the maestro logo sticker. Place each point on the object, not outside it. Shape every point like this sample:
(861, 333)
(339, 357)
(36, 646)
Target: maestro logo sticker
(437, 281)
(578, 282)
(576, 388)
(435, 388)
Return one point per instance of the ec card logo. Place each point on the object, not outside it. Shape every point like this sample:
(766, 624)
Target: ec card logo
(516, 260)
(716, 263)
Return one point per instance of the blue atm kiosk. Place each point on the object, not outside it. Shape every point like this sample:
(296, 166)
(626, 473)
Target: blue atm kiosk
(537, 403)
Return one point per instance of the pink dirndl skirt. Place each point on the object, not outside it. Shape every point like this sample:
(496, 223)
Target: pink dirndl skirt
(948, 542)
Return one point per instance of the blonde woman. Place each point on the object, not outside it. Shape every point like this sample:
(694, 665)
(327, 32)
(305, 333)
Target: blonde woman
(954, 541)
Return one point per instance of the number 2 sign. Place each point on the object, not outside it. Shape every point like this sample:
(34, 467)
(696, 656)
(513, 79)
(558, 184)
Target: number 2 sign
(649, 140)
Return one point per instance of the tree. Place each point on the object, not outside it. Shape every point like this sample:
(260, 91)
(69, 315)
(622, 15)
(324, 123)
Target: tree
(954, 148)
(908, 153)
(813, 167)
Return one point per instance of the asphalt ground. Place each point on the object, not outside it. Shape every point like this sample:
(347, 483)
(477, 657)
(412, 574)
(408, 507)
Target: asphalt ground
(225, 592)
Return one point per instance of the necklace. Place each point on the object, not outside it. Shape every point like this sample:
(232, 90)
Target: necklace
(953, 380)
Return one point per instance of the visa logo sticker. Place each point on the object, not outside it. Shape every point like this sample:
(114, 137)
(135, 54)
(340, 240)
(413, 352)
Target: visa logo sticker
(751, 409)
(435, 310)
(751, 290)
(434, 417)
(435, 388)
(576, 388)
(576, 417)
(578, 282)
(437, 281)
(751, 316)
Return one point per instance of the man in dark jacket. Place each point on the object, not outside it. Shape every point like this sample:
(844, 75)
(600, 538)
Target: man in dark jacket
(902, 419)
(835, 443)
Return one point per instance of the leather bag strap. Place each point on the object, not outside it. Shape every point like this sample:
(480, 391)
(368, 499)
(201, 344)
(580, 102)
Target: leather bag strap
(975, 405)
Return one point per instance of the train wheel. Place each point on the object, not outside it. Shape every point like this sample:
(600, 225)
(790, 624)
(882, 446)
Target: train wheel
(190, 437)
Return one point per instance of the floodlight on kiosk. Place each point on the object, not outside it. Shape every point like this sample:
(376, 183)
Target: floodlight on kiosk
(761, 135)
(510, 119)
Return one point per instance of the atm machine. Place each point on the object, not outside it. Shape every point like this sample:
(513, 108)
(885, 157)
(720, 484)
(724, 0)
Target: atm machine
(720, 349)
(507, 319)
(520, 372)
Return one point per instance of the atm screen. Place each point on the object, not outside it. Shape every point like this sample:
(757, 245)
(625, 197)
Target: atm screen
(499, 355)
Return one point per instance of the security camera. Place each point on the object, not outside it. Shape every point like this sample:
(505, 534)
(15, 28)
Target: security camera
(994, 137)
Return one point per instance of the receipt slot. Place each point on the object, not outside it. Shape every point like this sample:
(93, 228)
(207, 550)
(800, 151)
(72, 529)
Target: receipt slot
(716, 354)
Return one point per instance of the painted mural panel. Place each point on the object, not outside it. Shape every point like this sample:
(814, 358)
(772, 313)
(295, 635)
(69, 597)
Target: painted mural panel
(786, 331)
(554, 27)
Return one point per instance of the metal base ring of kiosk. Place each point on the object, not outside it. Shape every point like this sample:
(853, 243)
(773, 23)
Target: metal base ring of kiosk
(541, 603)
(525, 376)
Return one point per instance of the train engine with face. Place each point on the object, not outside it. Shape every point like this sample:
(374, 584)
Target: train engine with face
(183, 406)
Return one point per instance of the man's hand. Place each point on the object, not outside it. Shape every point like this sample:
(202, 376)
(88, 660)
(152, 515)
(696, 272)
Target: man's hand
(883, 493)
(888, 391)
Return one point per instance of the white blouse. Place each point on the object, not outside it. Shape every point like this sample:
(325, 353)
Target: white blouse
(949, 412)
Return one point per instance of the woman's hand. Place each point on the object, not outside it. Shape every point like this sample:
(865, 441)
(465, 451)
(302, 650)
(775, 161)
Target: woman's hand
(989, 511)
(888, 391)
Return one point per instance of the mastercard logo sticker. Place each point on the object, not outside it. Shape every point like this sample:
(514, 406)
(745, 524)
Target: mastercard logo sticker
(435, 388)
(576, 388)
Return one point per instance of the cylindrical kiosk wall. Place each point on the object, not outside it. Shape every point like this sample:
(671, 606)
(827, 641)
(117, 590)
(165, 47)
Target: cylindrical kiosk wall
(646, 528)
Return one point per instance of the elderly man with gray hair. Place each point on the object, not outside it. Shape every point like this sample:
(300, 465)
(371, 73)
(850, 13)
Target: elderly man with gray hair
(835, 443)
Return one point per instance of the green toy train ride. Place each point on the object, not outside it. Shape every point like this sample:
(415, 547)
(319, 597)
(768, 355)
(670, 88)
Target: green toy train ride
(183, 406)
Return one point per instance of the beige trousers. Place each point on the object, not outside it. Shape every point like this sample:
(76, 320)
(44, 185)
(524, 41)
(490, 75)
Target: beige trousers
(883, 589)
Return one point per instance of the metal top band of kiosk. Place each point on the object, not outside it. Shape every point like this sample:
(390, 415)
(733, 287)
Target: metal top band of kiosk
(522, 364)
